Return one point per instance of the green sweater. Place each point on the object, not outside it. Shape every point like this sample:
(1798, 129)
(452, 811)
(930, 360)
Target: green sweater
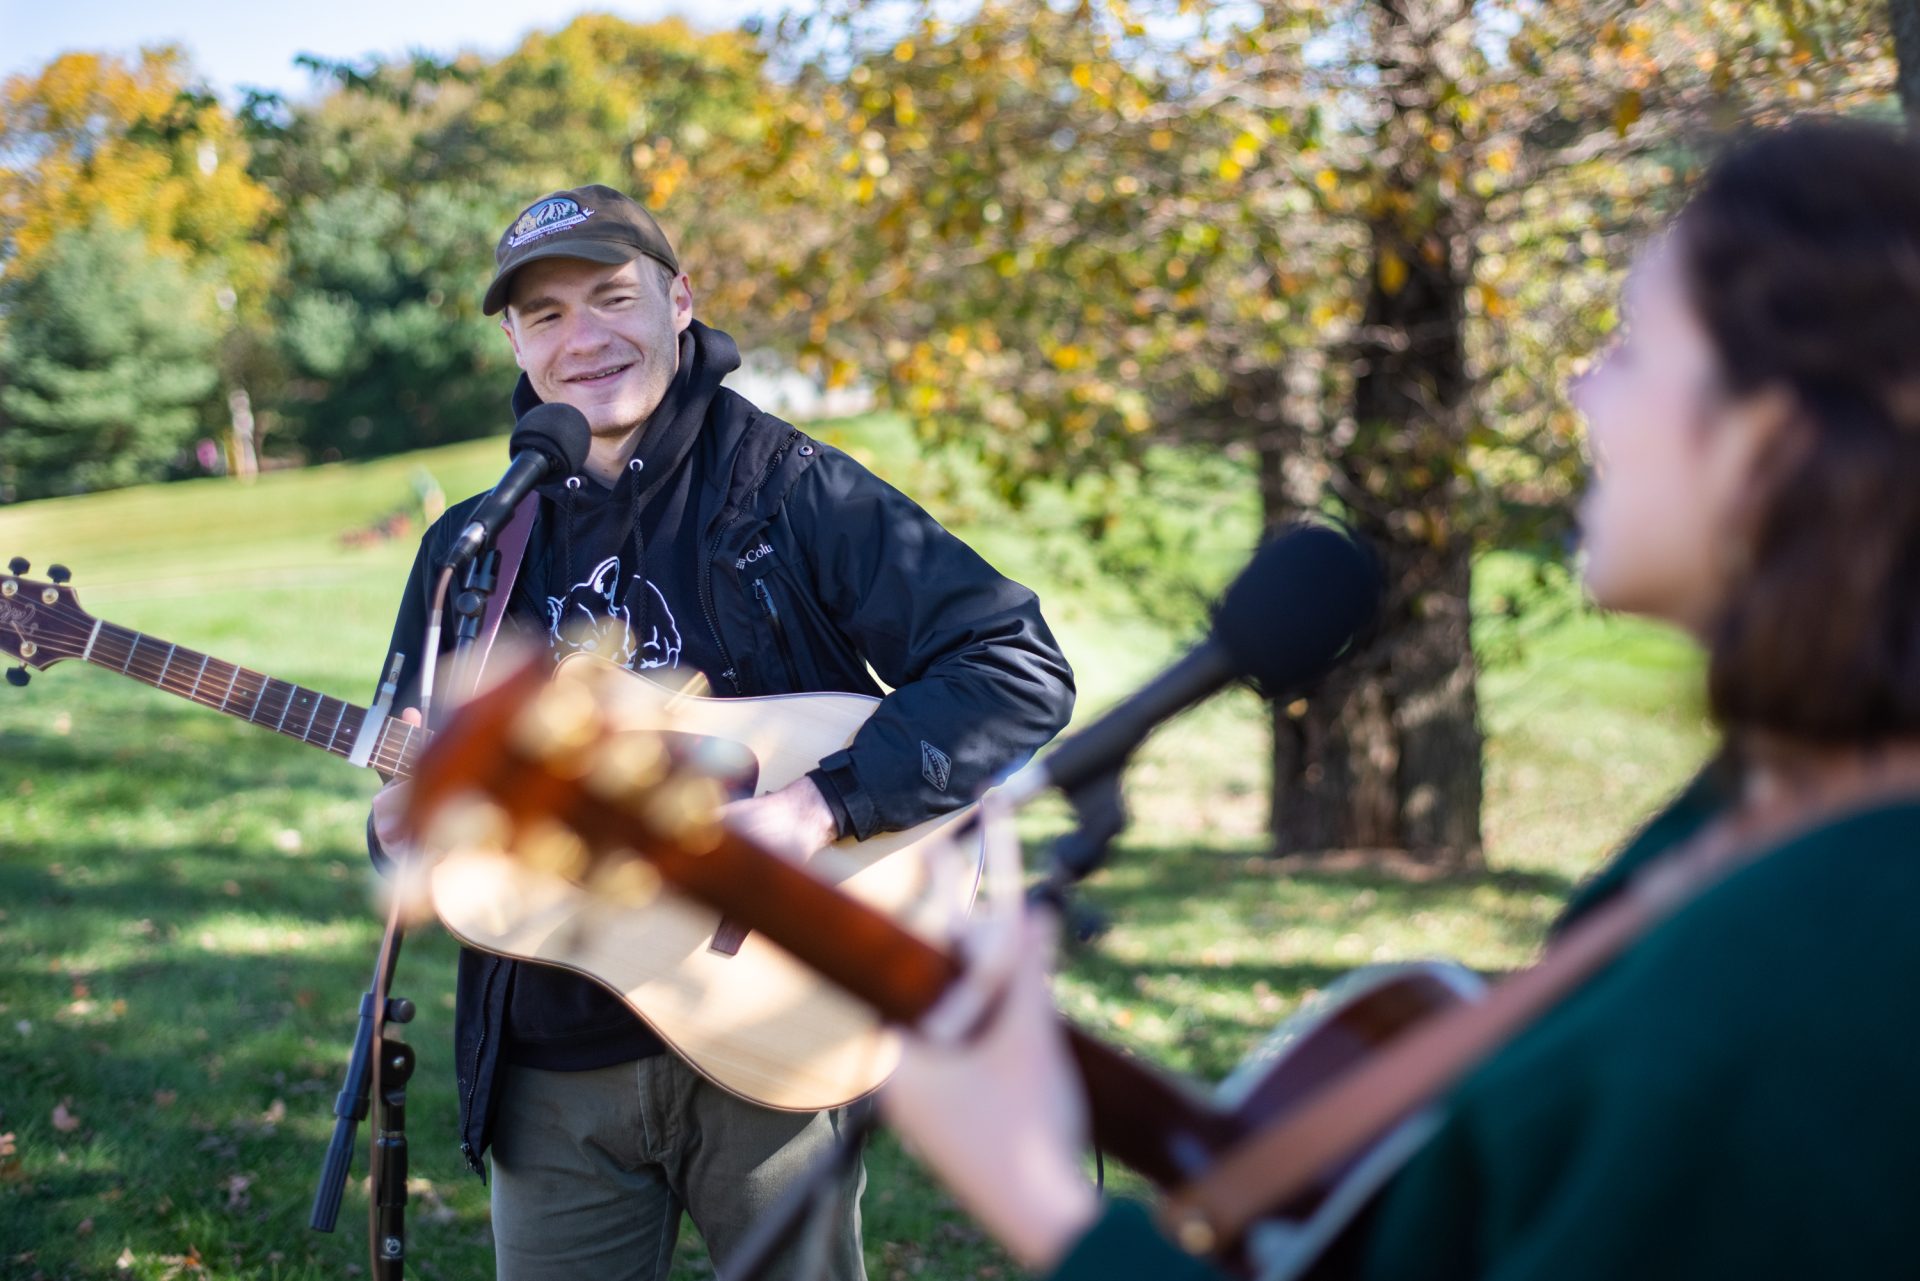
(1736, 1096)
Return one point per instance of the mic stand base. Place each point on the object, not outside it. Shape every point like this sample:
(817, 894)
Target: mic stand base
(390, 1163)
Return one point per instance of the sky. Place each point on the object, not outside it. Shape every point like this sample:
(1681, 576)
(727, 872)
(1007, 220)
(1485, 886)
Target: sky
(253, 44)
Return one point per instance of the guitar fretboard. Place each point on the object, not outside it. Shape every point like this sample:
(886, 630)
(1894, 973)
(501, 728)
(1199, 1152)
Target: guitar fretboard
(283, 707)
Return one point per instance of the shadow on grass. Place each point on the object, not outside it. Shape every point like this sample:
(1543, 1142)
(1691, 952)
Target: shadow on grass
(1155, 884)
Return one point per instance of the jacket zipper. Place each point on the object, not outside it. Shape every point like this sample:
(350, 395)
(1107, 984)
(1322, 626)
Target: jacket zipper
(473, 1075)
(765, 596)
(706, 565)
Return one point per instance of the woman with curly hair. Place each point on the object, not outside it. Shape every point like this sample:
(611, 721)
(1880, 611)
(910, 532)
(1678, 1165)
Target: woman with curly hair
(1734, 1095)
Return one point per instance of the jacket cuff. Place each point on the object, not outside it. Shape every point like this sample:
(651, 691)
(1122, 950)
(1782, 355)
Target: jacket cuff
(853, 811)
(830, 793)
(376, 851)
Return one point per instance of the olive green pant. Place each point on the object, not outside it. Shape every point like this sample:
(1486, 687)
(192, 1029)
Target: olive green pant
(592, 1169)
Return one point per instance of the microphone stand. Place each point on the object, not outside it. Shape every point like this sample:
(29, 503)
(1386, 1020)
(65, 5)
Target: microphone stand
(379, 1065)
(1101, 815)
(775, 1232)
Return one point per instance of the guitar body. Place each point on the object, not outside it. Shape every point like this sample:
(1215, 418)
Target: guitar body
(1172, 1133)
(1351, 1023)
(752, 1019)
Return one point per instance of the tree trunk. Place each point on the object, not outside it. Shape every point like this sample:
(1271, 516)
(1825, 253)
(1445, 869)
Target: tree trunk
(1387, 754)
(1904, 16)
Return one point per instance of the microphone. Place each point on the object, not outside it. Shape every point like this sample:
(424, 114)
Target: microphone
(550, 440)
(1292, 611)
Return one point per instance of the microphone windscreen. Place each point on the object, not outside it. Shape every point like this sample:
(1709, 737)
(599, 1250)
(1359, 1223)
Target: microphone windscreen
(559, 433)
(1307, 593)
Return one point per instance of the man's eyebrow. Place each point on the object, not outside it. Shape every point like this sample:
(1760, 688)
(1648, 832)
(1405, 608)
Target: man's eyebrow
(610, 284)
(540, 302)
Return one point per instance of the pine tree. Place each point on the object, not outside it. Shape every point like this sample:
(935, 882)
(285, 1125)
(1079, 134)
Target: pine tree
(109, 368)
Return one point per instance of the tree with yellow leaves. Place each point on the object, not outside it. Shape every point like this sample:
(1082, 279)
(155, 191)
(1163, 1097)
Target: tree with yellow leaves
(1352, 241)
(92, 136)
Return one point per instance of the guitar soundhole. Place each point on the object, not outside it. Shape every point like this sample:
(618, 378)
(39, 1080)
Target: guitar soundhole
(720, 758)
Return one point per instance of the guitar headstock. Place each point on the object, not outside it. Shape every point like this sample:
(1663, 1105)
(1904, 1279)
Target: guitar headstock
(534, 765)
(40, 622)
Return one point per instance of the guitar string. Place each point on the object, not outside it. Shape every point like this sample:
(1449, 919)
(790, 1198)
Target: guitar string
(159, 673)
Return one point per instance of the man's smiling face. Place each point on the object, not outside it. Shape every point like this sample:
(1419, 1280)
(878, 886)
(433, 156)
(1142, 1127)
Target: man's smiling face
(605, 340)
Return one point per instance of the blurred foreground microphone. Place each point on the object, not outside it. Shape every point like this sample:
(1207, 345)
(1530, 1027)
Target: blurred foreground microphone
(1294, 610)
(550, 440)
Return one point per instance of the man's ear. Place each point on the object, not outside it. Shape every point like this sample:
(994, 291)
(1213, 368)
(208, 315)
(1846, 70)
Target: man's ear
(513, 339)
(680, 292)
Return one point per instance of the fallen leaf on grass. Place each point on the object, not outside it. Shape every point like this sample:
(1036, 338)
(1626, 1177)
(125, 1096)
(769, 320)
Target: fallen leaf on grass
(63, 1120)
(125, 1261)
(164, 1098)
(182, 1264)
(84, 1228)
(237, 1185)
(276, 1112)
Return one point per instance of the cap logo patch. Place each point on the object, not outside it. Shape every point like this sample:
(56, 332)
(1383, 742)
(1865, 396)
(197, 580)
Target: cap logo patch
(556, 213)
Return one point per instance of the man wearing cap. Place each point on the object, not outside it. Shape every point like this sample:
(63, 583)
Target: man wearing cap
(705, 537)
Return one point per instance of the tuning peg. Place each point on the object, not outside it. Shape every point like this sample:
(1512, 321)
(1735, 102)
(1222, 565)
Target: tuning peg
(19, 565)
(17, 676)
(59, 573)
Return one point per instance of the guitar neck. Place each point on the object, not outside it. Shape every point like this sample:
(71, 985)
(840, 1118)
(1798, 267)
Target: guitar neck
(281, 706)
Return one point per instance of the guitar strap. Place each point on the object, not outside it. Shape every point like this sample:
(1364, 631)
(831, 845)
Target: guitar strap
(512, 546)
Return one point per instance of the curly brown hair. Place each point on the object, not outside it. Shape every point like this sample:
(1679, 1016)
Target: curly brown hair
(1802, 248)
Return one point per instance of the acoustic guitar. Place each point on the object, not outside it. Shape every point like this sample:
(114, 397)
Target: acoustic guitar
(530, 756)
(742, 1011)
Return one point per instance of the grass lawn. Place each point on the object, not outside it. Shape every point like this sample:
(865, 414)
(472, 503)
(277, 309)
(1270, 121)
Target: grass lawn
(186, 921)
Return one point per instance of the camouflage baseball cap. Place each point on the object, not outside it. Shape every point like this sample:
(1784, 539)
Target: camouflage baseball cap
(594, 222)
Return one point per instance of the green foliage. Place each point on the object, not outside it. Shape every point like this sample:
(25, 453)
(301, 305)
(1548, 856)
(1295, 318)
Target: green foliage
(380, 323)
(398, 183)
(109, 366)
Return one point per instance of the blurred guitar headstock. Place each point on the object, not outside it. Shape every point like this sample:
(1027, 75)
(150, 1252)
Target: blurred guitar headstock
(533, 765)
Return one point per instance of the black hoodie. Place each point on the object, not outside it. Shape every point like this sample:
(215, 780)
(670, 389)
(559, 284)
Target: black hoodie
(616, 575)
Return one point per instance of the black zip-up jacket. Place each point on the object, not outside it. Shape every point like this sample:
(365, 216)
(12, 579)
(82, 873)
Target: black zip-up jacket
(810, 569)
